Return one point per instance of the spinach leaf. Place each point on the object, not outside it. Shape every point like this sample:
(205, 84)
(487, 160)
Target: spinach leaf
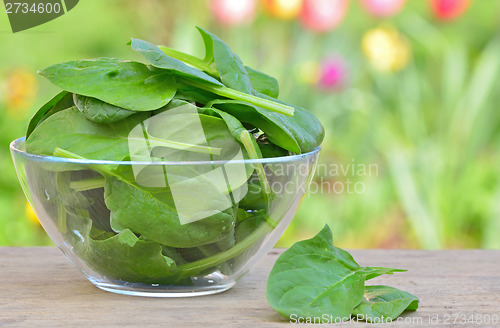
(126, 84)
(68, 130)
(254, 199)
(65, 103)
(384, 304)
(98, 111)
(43, 111)
(269, 149)
(122, 256)
(299, 133)
(231, 70)
(313, 278)
(263, 83)
(159, 59)
(158, 217)
(198, 79)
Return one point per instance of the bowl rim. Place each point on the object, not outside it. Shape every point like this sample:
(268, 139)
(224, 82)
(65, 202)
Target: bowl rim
(14, 147)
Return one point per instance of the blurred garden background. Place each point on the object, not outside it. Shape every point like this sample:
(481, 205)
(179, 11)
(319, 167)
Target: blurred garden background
(412, 87)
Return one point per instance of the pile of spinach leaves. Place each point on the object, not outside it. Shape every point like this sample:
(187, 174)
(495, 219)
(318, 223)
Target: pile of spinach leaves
(320, 283)
(130, 232)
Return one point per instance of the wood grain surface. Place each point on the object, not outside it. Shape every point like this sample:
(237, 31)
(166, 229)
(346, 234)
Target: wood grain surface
(40, 288)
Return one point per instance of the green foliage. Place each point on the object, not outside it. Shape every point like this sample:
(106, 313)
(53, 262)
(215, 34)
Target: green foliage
(313, 278)
(98, 111)
(126, 84)
(125, 110)
(68, 130)
(436, 187)
(384, 304)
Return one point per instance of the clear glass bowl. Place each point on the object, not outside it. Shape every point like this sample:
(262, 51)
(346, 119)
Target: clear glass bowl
(166, 229)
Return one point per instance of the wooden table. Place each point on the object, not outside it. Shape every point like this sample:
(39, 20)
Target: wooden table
(40, 288)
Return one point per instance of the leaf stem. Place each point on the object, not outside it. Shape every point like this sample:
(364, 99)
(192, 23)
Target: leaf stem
(189, 59)
(157, 142)
(241, 96)
(87, 184)
(193, 268)
(61, 219)
(246, 139)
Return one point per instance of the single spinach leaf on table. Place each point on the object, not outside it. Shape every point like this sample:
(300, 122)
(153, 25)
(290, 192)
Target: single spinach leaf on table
(98, 111)
(313, 278)
(384, 304)
(126, 84)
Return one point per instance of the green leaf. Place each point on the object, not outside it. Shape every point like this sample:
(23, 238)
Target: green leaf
(159, 59)
(384, 304)
(263, 83)
(269, 150)
(238, 82)
(126, 84)
(189, 59)
(373, 272)
(231, 70)
(299, 133)
(313, 277)
(98, 111)
(68, 130)
(122, 256)
(43, 110)
(152, 213)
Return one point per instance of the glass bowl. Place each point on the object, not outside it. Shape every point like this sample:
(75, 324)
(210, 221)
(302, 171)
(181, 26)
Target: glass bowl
(165, 229)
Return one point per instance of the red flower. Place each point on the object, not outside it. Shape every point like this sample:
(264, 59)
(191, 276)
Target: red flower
(233, 12)
(383, 8)
(446, 10)
(322, 15)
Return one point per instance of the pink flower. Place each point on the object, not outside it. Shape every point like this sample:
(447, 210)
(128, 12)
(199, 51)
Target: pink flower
(333, 74)
(322, 15)
(383, 8)
(233, 12)
(446, 10)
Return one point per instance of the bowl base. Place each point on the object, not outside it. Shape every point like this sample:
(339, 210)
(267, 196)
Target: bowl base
(159, 290)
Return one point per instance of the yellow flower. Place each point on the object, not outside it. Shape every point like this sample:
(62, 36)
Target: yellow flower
(20, 93)
(308, 72)
(283, 9)
(386, 49)
(30, 214)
